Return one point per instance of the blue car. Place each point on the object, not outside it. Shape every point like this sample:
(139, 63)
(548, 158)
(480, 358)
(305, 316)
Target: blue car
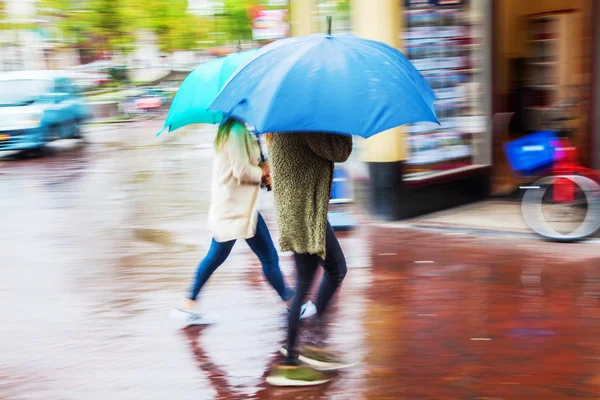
(38, 107)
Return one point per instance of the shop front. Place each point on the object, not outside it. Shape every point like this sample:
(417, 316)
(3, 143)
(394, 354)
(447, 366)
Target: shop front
(426, 167)
(447, 165)
(544, 78)
(530, 64)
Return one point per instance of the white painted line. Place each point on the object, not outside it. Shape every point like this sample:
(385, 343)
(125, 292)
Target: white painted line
(425, 262)
(484, 339)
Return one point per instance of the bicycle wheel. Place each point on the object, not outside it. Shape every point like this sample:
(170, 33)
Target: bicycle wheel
(582, 211)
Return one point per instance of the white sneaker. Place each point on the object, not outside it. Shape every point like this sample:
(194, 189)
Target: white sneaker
(307, 310)
(191, 318)
(319, 359)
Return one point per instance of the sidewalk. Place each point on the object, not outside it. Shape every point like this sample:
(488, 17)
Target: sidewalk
(489, 215)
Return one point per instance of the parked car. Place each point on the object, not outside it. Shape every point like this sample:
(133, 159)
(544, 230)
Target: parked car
(142, 104)
(37, 107)
(88, 80)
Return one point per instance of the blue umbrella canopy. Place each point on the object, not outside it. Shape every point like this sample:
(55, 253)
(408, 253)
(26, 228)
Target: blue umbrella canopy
(322, 83)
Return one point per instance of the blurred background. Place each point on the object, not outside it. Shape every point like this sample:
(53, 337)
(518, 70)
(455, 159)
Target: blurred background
(482, 58)
(103, 222)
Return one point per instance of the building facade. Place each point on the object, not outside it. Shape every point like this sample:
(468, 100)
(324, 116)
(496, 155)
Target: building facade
(424, 167)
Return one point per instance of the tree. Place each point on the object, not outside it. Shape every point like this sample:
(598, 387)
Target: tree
(7, 24)
(112, 23)
(238, 25)
(101, 25)
(170, 21)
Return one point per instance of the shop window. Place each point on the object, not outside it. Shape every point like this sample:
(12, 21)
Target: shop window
(444, 40)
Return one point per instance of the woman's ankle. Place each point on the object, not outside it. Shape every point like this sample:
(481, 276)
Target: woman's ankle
(288, 296)
(189, 304)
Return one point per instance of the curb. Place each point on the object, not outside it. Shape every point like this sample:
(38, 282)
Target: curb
(473, 231)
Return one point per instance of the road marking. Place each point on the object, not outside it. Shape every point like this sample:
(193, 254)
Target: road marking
(425, 262)
(480, 339)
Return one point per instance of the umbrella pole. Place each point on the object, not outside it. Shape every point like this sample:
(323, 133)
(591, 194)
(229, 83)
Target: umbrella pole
(329, 25)
(262, 160)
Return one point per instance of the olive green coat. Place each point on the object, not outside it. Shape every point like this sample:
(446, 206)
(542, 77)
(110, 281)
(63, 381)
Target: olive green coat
(302, 167)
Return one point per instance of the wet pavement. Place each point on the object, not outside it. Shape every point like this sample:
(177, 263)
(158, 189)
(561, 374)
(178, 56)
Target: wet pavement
(99, 241)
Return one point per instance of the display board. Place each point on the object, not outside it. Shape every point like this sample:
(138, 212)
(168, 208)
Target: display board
(443, 40)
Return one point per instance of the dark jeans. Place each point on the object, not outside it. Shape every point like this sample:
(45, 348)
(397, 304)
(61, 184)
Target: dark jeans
(261, 244)
(334, 271)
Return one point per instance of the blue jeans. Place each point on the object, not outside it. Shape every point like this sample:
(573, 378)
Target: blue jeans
(261, 244)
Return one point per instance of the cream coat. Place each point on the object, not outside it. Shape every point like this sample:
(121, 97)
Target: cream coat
(233, 212)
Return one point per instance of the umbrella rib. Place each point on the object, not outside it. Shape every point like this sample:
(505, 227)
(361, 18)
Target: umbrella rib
(299, 55)
(399, 60)
(259, 54)
(277, 89)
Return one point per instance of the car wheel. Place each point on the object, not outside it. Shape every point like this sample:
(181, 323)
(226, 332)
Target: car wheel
(54, 133)
(76, 130)
(39, 151)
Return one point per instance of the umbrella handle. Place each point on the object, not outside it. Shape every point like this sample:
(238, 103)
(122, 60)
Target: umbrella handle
(262, 160)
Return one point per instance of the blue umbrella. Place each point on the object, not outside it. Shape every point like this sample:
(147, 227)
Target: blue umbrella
(322, 83)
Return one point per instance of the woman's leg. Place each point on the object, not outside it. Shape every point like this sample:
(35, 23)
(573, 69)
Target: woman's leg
(262, 245)
(335, 270)
(306, 266)
(217, 254)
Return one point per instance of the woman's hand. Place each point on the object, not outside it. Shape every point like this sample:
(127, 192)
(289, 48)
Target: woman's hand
(265, 168)
(268, 181)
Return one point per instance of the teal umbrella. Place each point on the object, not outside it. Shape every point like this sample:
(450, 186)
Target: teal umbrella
(199, 89)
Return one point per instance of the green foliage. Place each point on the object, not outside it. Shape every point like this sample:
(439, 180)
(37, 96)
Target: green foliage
(10, 25)
(343, 7)
(113, 24)
(236, 21)
(175, 28)
(99, 24)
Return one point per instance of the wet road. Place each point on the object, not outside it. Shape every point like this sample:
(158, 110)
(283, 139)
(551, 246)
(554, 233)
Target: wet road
(99, 242)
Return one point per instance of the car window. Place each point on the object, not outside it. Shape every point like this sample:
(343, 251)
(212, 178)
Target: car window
(23, 91)
(62, 86)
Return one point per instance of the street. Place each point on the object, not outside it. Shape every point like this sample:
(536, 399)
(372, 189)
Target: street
(100, 240)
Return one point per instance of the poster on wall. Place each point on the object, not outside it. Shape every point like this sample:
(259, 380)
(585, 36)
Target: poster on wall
(440, 45)
(270, 25)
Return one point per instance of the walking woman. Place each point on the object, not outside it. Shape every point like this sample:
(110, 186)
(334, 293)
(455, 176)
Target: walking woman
(302, 176)
(233, 213)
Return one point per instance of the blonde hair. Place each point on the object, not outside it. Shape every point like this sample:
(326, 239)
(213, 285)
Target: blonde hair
(225, 129)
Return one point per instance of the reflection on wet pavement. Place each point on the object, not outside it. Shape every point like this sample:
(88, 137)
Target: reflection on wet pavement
(99, 241)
